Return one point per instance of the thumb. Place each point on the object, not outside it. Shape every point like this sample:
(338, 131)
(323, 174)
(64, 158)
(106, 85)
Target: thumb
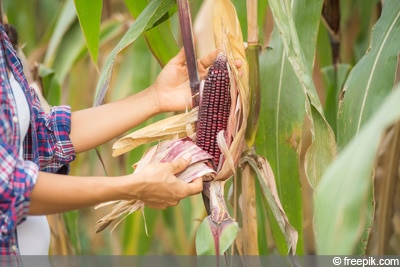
(179, 58)
(180, 164)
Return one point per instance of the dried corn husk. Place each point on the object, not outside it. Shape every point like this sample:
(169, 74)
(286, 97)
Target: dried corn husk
(228, 39)
(166, 151)
(174, 127)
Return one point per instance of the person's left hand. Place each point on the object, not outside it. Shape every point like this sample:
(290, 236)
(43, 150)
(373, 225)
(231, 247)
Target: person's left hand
(172, 89)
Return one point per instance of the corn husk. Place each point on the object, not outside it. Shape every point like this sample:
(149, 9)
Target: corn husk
(166, 151)
(174, 127)
(228, 39)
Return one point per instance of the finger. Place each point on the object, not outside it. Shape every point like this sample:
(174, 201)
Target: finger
(158, 207)
(173, 203)
(196, 186)
(180, 58)
(238, 63)
(208, 60)
(180, 164)
(161, 205)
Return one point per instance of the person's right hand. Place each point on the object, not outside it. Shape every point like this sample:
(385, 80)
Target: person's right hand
(171, 90)
(158, 187)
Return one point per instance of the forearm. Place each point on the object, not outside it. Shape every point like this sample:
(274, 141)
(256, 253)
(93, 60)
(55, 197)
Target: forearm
(54, 193)
(155, 185)
(95, 126)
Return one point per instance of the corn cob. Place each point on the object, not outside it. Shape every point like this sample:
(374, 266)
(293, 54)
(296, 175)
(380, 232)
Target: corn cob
(214, 108)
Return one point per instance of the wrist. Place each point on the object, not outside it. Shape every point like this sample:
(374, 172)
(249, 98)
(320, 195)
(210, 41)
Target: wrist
(131, 187)
(154, 99)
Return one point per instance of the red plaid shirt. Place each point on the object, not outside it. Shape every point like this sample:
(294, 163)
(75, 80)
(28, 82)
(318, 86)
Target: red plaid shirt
(47, 147)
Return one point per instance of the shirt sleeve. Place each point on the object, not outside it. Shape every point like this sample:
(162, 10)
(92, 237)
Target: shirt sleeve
(54, 144)
(17, 178)
(51, 135)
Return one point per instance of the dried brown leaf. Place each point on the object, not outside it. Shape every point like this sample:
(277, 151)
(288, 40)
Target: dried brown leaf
(268, 186)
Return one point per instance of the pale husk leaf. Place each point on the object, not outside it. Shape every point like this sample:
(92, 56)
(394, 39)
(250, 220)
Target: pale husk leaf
(229, 40)
(174, 127)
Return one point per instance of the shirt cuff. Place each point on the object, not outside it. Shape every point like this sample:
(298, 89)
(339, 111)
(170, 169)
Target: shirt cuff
(58, 124)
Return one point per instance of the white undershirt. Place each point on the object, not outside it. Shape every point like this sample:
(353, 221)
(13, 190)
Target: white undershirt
(23, 113)
(34, 233)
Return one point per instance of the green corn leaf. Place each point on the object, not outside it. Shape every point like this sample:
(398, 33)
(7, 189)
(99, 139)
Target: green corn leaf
(283, 110)
(228, 235)
(64, 22)
(89, 15)
(323, 146)
(51, 85)
(67, 53)
(360, 128)
(334, 79)
(150, 15)
(364, 13)
(207, 232)
(160, 39)
(278, 138)
(71, 220)
(373, 77)
(73, 48)
(135, 239)
(204, 239)
(342, 200)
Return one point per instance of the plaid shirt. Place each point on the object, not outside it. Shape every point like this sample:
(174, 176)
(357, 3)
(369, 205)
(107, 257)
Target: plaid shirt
(46, 147)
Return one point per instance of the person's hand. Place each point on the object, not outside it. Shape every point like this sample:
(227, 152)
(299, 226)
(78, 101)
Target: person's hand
(159, 188)
(172, 89)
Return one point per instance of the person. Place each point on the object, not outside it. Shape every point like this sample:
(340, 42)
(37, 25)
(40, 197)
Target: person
(36, 148)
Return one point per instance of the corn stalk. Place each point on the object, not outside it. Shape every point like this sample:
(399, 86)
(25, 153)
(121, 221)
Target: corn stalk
(187, 36)
(247, 241)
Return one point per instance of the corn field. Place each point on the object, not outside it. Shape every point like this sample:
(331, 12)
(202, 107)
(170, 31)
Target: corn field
(323, 119)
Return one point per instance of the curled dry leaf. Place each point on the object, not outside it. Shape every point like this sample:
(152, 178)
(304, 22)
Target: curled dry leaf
(268, 187)
(178, 126)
